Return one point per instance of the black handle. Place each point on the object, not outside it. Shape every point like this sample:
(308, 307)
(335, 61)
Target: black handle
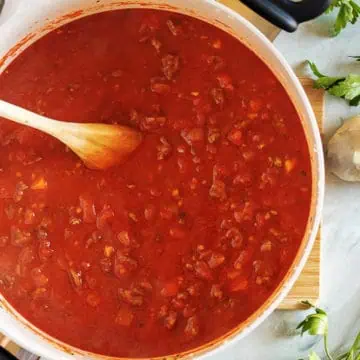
(2, 2)
(287, 14)
(5, 355)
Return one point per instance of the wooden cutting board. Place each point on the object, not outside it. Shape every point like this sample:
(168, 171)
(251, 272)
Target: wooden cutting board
(307, 287)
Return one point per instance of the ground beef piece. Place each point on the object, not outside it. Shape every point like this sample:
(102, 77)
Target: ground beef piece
(192, 327)
(106, 265)
(25, 258)
(216, 260)
(193, 136)
(164, 149)
(75, 277)
(152, 123)
(170, 65)
(170, 320)
(218, 190)
(216, 292)
(202, 270)
(131, 296)
(216, 62)
(213, 135)
(218, 96)
(174, 29)
(19, 191)
(123, 264)
(19, 237)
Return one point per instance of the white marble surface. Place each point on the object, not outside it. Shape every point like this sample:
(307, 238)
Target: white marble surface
(340, 293)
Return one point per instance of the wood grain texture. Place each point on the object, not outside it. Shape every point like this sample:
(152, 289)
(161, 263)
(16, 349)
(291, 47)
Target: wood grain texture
(307, 287)
(264, 26)
(9, 345)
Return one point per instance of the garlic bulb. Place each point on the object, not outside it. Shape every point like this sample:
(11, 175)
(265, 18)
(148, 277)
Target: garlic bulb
(343, 151)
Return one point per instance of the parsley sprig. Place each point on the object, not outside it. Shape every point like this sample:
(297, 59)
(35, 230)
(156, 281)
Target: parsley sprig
(317, 324)
(346, 87)
(349, 12)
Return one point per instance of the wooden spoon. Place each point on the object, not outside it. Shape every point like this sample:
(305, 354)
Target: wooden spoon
(343, 151)
(100, 146)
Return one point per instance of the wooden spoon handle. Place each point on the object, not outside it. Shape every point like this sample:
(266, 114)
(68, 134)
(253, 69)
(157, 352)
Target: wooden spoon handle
(28, 118)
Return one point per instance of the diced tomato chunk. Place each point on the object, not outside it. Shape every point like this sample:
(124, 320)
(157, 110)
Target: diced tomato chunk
(240, 283)
(124, 317)
(4, 240)
(93, 299)
(170, 289)
(236, 137)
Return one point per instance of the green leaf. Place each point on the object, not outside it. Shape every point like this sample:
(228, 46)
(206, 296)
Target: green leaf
(317, 324)
(326, 82)
(355, 101)
(349, 12)
(333, 5)
(347, 87)
(313, 356)
(341, 20)
(323, 81)
(357, 58)
(350, 355)
(314, 324)
(317, 73)
(354, 348)
(344, 16)
(356, 11)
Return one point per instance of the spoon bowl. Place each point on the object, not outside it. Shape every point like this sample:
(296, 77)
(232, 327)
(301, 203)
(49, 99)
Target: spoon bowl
(100, 146)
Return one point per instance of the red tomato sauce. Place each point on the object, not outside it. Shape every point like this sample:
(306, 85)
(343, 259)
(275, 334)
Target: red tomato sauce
(189, 237)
